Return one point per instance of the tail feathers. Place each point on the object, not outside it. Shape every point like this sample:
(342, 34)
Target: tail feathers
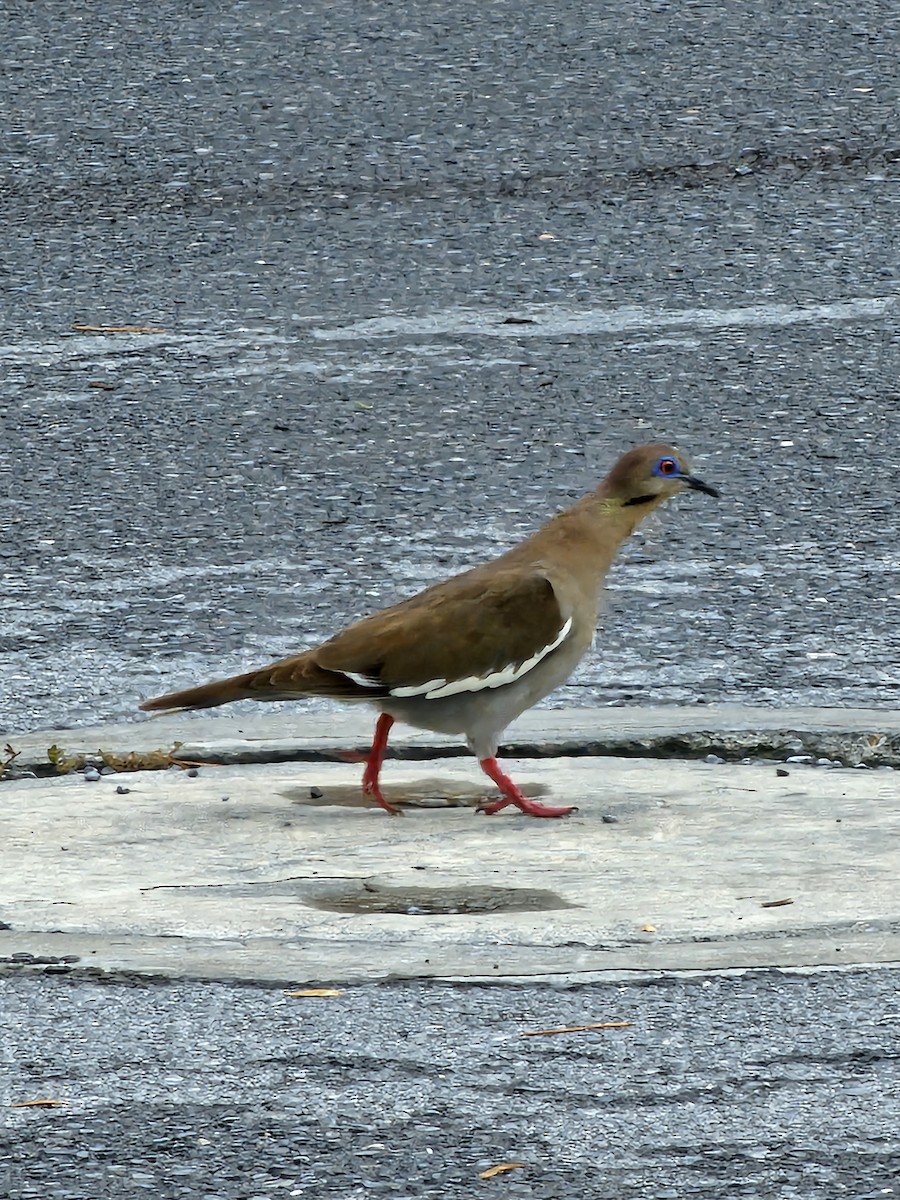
(207, 695)
(288, 679)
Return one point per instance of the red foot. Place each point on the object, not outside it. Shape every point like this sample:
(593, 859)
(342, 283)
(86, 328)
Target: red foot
(370, 784)
(512, 795)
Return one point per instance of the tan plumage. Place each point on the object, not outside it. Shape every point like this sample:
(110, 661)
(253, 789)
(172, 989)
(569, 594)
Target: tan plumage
(470, 654)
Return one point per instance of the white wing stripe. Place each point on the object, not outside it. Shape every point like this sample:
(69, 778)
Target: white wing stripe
(420, 689)
(362, 680)
(437, 689)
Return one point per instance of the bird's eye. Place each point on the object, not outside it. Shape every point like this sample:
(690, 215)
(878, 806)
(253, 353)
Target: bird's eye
(667, 466)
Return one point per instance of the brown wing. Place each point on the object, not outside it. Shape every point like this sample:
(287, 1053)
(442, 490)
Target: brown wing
(473, 625)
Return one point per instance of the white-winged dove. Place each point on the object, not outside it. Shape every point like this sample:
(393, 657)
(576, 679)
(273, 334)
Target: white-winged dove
(468, 655)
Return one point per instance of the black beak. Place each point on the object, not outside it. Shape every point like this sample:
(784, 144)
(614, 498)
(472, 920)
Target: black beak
(699, 486)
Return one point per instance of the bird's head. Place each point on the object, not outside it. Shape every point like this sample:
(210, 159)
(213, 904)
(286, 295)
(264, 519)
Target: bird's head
(647, 475)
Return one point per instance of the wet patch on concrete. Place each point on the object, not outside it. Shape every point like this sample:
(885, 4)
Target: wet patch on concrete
(370, 896)
(366, 897)
(430, 792)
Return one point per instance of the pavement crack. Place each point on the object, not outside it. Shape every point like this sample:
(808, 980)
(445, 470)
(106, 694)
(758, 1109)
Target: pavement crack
(249, 883)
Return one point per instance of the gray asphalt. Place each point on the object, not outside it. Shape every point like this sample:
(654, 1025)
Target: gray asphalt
(768, 1086)
(303, 199)
(258, 180)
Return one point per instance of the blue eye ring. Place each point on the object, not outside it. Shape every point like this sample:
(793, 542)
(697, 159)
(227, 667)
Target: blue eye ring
(668, 468)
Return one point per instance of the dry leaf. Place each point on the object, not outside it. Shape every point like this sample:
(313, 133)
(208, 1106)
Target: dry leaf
(577, 1028)
(304, 992)
(648, 929)
(500, 1169)
(775, 903)
(9, 757)
(38, 1104)
(147, 760)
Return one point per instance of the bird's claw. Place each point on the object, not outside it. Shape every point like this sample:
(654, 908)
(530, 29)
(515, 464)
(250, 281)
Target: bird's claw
(371, 788)
(531, 808)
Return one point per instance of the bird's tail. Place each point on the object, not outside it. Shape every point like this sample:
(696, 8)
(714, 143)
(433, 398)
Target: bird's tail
(287, 679)
(206, 695)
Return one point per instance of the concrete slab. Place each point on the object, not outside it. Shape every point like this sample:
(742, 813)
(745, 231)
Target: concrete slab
(245, 873)
(732, 731)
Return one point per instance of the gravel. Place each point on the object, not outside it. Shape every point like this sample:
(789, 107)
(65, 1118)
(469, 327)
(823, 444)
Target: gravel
(769, 1084)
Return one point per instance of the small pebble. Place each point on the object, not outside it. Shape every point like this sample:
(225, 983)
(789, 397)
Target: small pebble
(122, 791)
(224, 798)
(824, 762)
(315, 793)
(106, 769)
(781, 772)
(91, 774)
(192, 772)
(801, 758)
(609, 819)
(713, 759)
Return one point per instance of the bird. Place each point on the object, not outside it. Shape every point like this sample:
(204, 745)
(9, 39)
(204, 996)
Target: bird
(470, 654)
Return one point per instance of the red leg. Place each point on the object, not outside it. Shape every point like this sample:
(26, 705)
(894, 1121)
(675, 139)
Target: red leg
(371, 786)
(512, 795)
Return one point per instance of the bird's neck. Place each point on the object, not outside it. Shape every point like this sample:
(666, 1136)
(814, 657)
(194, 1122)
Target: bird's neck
(590, 532)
